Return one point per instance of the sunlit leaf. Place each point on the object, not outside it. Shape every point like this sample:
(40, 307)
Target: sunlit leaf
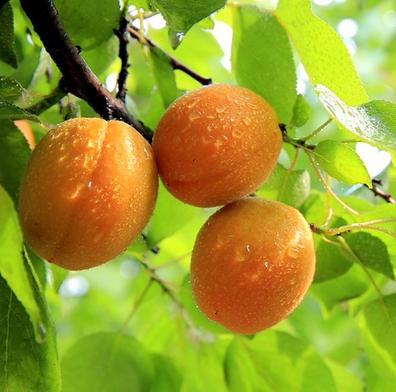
(371, 252)
(169, 216)
(301, 112)
(262, 59)
(324, 55)
(373, 122)
(341, 162)
(181, 15)
(290, 187)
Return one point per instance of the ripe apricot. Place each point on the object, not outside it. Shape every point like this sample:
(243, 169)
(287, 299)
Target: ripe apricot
(252, 263)
(26, 130)
(216, 144)
(89, 189)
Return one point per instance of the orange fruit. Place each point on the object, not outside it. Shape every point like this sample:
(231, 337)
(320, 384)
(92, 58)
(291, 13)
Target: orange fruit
(26, 130)
(252, 263)
(216, 144)
(89, 189)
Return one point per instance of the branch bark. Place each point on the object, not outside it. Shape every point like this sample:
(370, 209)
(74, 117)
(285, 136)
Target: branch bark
(377, 191)
(80, 80)
(176, 64)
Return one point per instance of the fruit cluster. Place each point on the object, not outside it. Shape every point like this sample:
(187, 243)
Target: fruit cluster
(90, 188)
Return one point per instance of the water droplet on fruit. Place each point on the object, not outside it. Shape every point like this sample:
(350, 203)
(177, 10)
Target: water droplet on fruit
(247, 121)
(266, 264)
(194, 116)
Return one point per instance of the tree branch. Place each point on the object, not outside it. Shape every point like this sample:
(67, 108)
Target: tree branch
(48, 101)
(121, 33)
(79, 78)
(135, 33)
(377, 191)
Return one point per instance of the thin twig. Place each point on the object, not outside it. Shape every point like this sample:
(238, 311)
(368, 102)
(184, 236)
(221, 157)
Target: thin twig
(327, 186)
(169, 292)
(80, 79)
(317, 130)
(122, 35)
(176, 64)
(359, 225)
(350, 251)
(136, 304)
(48, 101)
(377, 191)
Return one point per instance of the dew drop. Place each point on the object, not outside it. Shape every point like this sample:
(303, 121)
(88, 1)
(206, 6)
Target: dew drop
(247, 121)
(266, 264)
(194, 116)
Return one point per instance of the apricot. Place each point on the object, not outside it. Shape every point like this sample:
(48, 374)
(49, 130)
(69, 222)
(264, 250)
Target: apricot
(89, 189)
(216, 144)
(26, 130)
(252, 263)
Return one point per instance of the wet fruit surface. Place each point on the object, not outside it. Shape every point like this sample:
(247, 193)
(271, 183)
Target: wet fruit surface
(89, 189)
(216, 144)
(252, 263)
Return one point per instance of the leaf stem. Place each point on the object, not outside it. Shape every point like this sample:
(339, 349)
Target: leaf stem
(317, 130)
(327, 186)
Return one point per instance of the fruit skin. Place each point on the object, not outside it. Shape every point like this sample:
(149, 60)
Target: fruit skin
(26, 130)
(216, 144)
(252, 263)
(89, 189)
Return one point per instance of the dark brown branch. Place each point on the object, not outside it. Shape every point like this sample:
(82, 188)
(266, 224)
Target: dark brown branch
(377, 191)
(135, 33)
(79, 78)
(122, 35)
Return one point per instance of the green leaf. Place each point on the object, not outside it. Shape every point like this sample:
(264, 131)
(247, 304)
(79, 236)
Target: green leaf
(7, 42)
(10, 89)
(8, 111)
(321, 50)
(203, 367)
(12, 266)
(379, 332)
(371, 252)
(98, 19)
(331, 261)
(169, 216)
(25, 364)
(262, 59)
(373, 122)
(301, 112)
(14, 155)
(164, 76)
(350, 285)
(261, 364)
(107, 362)
(341, 162)
(167, 377)
(181, 15)
(345, 380)
(289, 187)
